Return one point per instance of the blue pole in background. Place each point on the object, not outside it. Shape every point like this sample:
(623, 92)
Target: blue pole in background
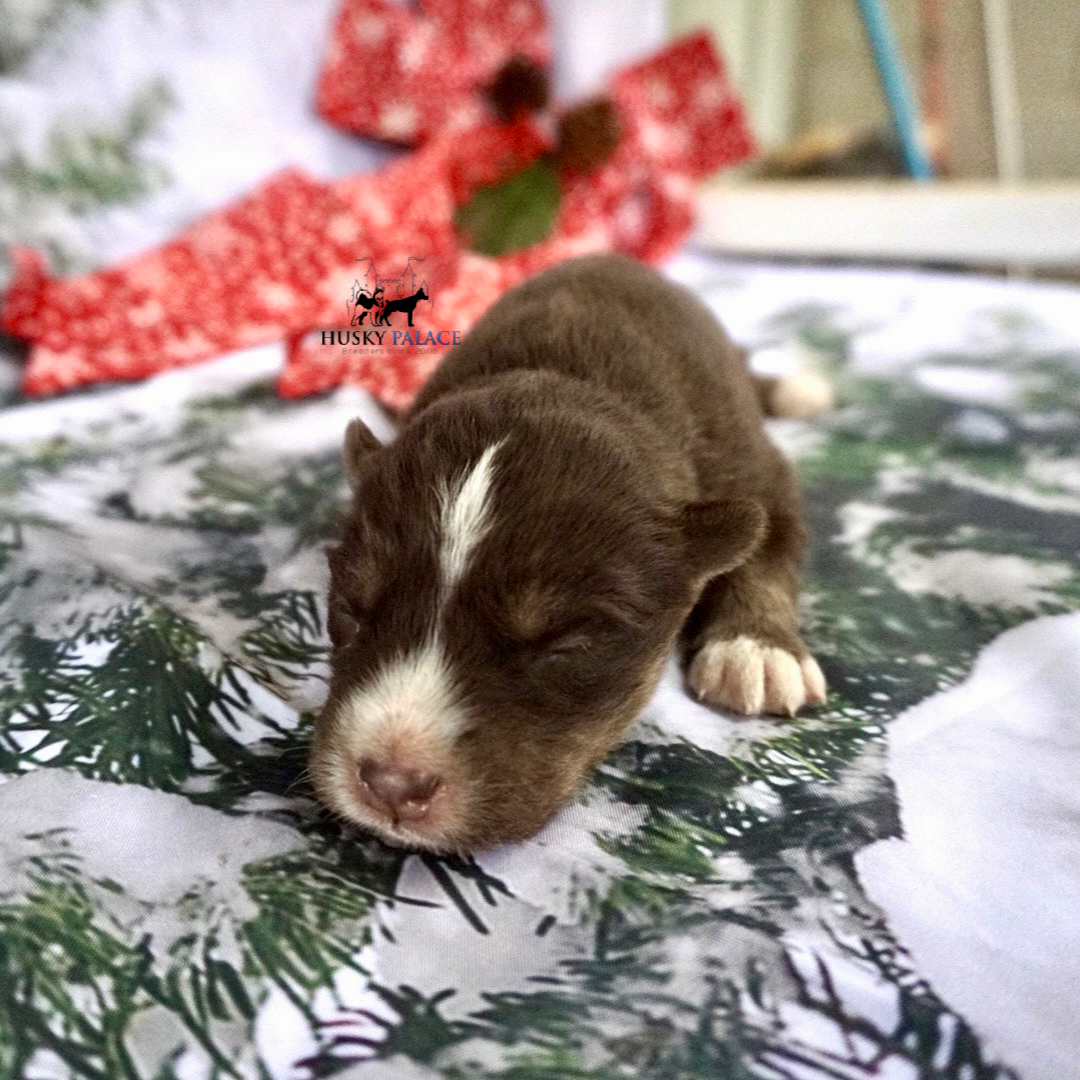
(894, 82)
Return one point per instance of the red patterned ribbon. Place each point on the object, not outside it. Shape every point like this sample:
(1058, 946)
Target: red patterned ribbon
(280, 264)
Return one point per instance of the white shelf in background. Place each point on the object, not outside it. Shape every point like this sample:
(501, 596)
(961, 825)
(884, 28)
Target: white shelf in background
(962, 222)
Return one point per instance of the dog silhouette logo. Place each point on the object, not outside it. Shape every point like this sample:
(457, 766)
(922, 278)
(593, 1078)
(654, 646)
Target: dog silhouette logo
(406, 304)
(393, 313)
(381, 296)
(362, 302)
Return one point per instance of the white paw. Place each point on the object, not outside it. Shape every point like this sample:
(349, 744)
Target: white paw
(748, 676)
(801, 396)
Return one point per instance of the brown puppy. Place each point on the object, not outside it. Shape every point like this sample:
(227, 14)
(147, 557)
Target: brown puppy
(584, 478)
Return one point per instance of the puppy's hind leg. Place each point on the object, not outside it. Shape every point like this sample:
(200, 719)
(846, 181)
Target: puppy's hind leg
(744, 646)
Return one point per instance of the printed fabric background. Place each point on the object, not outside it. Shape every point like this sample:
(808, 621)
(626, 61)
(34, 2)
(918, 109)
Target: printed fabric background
(885, 888)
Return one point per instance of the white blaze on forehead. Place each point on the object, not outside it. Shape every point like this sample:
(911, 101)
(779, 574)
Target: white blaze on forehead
(412, 698)
(411, 704)
(465, 512)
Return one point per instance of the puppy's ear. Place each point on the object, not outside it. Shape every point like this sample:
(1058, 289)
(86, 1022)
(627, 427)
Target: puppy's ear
(359, 444)
(722, 535)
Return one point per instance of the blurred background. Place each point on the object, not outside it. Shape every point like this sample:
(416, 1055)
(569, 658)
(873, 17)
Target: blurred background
(993, 91)
(807, 68)
(940, 132)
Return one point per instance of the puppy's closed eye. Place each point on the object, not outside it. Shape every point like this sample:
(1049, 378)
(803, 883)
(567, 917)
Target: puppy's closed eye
(572, 641)
(356, 586)
(565, 647)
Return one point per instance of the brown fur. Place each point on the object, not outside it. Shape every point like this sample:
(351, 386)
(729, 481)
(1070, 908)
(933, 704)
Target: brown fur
(634, 495)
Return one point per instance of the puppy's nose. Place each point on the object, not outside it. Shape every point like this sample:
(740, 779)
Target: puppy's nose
(404, 793)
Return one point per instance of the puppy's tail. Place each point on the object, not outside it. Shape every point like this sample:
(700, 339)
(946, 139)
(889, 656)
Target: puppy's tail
(798, 396)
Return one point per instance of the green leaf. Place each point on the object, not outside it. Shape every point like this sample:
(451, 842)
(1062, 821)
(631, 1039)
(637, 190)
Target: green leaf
(512, 215)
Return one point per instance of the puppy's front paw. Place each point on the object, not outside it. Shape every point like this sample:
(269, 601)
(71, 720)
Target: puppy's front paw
(750, 676)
